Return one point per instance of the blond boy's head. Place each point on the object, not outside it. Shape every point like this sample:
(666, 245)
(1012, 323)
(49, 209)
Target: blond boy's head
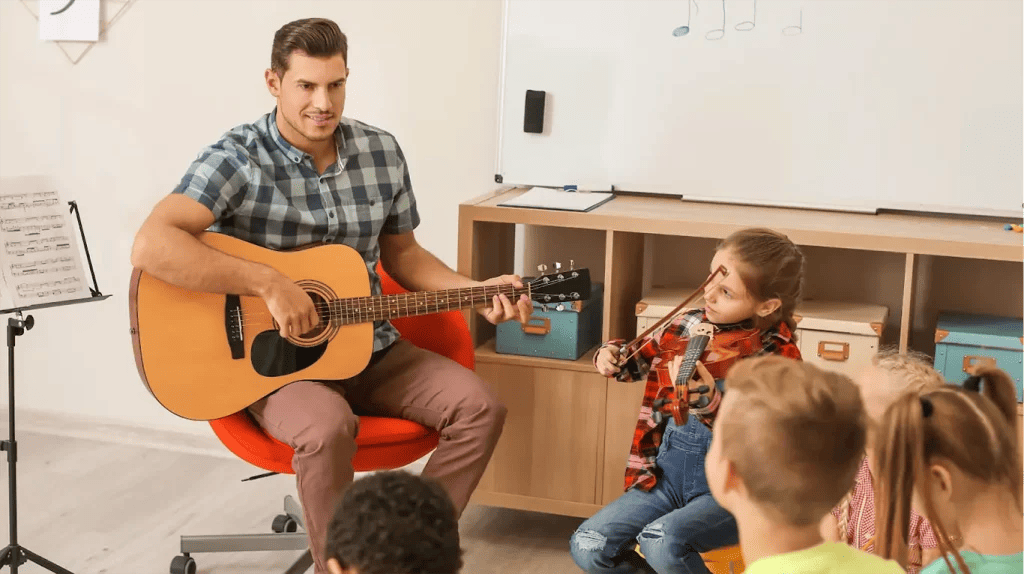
(891, 374)
(788, 440)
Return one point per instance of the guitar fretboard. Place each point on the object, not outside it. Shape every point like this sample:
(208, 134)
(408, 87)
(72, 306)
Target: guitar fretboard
(366, 309)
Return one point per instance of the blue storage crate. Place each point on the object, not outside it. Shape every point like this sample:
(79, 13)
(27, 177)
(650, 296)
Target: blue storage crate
(963, 340)
(555, 334)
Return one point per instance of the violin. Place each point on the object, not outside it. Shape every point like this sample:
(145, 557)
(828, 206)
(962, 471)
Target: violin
(717, 352)
(693, 348)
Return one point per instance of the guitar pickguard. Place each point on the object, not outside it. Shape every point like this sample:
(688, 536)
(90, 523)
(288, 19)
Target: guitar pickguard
(274, 356)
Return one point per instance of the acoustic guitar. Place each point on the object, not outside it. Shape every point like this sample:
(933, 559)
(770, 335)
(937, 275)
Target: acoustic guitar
(205, 355)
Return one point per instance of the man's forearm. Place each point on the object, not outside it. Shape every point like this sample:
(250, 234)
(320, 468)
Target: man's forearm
(177, 257)
(417, 269)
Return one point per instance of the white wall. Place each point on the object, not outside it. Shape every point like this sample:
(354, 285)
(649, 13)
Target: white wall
(118, 129)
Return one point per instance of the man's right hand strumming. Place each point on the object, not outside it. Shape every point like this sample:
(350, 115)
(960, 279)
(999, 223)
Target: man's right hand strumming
(290, 306)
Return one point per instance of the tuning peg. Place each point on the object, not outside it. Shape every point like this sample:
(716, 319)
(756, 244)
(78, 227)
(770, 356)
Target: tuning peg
(559, 307)
(700, 403)
(558, 266)
(574, 295)
(542, 268)
(657, 417)
(572, 265)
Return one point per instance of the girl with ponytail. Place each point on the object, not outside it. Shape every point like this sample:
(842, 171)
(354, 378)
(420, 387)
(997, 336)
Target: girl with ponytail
(952, 454)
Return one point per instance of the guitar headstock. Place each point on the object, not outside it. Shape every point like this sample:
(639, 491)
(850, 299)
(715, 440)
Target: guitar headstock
(561, 286)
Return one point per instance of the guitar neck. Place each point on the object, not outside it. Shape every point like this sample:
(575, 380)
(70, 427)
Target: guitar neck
(383, 307)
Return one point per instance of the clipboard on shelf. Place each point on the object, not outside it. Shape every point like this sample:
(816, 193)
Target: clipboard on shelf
(557, 199)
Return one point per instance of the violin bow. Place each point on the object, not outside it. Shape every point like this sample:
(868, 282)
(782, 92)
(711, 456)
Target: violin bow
(672, 314)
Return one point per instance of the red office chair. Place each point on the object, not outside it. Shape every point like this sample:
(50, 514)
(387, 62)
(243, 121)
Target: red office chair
(383, 443)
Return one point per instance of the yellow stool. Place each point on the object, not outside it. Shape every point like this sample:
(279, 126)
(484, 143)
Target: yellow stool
(728, 560)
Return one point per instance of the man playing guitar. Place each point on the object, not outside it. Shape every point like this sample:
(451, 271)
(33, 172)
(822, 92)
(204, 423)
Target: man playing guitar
(303, 175)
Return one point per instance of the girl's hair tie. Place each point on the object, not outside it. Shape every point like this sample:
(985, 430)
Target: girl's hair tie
(973, 383)
(926, 407)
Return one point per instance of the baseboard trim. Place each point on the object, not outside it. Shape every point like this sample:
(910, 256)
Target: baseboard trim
(103, 430)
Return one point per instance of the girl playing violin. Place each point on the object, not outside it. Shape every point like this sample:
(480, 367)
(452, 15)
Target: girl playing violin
(667, 506)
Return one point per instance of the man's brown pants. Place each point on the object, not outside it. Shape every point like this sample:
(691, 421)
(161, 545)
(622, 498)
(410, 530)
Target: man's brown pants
(316, 418)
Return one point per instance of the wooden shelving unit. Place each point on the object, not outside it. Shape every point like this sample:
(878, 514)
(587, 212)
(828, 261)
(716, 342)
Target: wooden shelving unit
(567, 436)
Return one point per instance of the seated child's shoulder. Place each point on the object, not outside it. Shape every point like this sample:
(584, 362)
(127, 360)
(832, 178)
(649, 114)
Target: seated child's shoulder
(825, 558)
(853, 559)
(980, 563)
(839, 558)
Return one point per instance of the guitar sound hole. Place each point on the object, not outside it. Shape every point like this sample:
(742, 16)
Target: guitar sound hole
(323, 310)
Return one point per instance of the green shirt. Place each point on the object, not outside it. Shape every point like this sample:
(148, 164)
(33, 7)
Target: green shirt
(981, 564)
(825, 558)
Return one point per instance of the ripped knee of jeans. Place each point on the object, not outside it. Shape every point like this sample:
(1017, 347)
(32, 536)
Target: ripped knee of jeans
(652, 532)
(589, 540)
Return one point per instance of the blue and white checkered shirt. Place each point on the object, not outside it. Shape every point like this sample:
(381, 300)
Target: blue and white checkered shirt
(264, 190)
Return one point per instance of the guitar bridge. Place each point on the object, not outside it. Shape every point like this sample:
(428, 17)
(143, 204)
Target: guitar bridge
(233, 326)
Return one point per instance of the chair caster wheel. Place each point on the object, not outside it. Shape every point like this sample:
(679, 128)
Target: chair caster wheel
(183, 565)
(284, 523)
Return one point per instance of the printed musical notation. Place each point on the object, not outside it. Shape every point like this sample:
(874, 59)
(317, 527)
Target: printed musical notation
(31, 225)
(41, 289)
(39, 259)
(25, 201)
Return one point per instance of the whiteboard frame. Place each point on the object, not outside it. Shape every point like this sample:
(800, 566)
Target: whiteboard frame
(501, 90)
(627, 187)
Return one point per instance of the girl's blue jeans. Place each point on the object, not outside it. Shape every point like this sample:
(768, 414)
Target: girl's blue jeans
(672, 523)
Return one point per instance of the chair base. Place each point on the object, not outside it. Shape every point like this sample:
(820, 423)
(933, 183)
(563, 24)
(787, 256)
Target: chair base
(184, 564)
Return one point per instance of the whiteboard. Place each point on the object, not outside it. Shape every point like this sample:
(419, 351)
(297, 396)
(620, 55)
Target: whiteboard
(845, 104)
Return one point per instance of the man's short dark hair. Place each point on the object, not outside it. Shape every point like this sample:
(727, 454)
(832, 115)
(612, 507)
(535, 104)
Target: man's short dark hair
(316, 37)
(393, 522)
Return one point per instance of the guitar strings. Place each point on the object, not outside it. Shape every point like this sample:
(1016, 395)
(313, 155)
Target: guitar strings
(354, 307)
(351, 307)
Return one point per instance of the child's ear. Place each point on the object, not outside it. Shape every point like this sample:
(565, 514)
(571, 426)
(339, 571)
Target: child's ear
(733, 482)
(941, 482)
(768, 307)
(334, 567)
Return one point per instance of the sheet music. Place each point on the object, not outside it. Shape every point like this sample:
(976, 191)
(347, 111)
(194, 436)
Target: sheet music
(39, 261)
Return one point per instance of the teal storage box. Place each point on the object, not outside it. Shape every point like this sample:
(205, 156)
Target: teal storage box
(555, 334)
(962, 341)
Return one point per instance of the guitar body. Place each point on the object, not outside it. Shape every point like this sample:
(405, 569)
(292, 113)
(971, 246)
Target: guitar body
(205, 356)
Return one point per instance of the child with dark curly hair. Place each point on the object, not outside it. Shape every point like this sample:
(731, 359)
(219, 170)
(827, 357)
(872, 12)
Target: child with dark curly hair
(393, 522)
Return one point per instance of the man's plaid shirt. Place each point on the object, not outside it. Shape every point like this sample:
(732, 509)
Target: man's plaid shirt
(264, 190)
(641, 468)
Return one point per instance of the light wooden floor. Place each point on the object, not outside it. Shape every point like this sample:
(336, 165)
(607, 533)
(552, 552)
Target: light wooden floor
(101, 508)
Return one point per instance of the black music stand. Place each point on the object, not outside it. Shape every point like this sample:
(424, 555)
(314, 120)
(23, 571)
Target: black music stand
(14, 555)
